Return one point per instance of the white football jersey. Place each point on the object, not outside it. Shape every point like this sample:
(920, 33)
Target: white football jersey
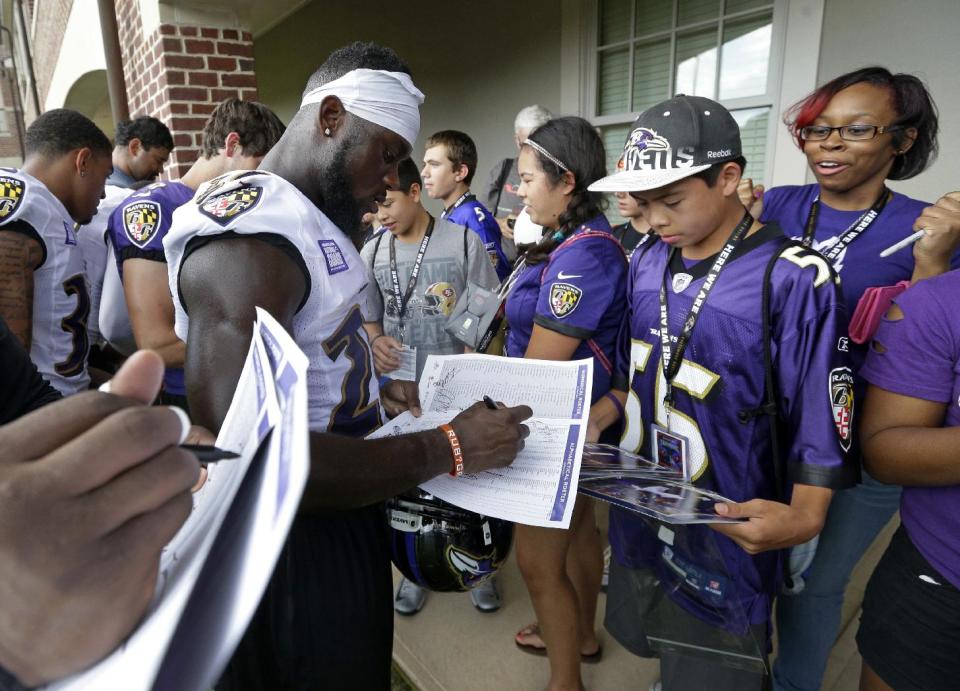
(98, 261)
(343, 391)
(61, 297)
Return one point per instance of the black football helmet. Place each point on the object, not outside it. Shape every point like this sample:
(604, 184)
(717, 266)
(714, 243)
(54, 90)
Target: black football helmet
(442, 547)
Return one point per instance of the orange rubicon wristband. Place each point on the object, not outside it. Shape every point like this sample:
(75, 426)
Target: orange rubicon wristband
(457, 469)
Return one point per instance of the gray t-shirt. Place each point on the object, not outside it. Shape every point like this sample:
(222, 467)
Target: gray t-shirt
(454, 256)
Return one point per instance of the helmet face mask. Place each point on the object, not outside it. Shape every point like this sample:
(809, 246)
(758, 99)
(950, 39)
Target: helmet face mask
(442, 547)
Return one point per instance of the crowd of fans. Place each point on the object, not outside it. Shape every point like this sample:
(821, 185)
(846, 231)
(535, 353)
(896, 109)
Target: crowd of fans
(718, 312)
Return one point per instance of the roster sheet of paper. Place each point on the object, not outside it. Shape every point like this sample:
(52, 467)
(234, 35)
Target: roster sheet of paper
(540, 486)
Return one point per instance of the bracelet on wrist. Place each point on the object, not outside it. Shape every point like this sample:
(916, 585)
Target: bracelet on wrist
(616, 403)
(457, 452)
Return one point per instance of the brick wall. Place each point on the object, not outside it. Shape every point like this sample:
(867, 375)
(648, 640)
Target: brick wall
(179, 73)
(52, 17)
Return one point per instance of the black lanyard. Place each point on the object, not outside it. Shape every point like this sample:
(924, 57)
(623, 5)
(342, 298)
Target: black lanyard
(851, 233)
(465, 197)
(670, 358)
(403, 298)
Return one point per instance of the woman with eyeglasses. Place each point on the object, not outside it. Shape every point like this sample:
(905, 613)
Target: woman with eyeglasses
(857, 131)
(567, 303)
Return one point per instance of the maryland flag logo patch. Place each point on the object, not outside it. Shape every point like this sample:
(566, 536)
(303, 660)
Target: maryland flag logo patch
(224, 208)
(141, 221)
(564, 298)
(841, 398)
(11, 193)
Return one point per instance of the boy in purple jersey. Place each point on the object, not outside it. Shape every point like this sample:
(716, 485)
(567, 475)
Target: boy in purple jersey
(237, 135)
(696, 371)
(909, 633)
(449, 162)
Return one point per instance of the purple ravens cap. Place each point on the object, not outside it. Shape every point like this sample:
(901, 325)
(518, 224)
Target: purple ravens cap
(671, 141)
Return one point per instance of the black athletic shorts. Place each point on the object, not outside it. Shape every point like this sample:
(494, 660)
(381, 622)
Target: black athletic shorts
(910, 628)
(326, 619)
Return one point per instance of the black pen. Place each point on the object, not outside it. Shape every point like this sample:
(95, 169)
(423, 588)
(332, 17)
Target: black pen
(490, 403)
(209, 454)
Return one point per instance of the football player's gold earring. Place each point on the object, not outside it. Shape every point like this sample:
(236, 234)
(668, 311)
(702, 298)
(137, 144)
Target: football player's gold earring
(83, 173)
(327, 132)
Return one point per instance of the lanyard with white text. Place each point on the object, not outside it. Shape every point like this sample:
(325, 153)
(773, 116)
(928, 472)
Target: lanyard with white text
(465, 197)
(851, 233)
(670, 358)
(402, 299)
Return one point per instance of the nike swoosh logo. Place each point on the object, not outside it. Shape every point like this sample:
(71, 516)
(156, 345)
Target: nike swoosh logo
(563, 277)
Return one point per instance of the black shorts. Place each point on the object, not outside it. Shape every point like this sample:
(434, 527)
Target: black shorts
(910, 628)
(326, 619)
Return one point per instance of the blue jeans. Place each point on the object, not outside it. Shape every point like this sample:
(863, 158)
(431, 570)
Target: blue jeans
(808, 623)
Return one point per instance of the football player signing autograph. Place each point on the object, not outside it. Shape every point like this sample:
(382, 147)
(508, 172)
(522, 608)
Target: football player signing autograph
(694, 369)
(280, 238)
(567, 303)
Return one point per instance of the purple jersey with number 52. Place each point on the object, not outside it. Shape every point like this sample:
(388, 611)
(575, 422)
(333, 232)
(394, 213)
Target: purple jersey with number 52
(717, 392)
(477, 217)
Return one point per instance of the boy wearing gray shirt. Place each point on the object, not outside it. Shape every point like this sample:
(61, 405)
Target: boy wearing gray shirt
(418, 267)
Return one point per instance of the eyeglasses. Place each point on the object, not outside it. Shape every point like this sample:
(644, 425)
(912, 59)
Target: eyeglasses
(850, 133)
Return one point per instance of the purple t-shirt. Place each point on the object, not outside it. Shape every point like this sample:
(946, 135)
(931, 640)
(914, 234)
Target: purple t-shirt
(722, 377)
(136, 229)
(580, 291)
(922, 360)
(859, 265)
(475, 216)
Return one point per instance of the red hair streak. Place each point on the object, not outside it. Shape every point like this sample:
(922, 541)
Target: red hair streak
(806, 111)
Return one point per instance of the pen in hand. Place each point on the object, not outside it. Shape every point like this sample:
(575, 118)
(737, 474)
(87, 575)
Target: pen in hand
(209, 454)
(490, 403)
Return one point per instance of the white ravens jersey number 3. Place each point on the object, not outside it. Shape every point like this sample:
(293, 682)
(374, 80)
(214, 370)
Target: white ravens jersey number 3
(61, 296)
(343, 391)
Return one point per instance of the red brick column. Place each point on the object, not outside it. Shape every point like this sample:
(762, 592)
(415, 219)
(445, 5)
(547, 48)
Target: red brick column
(180, 73)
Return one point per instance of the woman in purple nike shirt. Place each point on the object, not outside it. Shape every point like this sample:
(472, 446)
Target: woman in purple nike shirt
(909, 633)
(567, 304)
(857, 131)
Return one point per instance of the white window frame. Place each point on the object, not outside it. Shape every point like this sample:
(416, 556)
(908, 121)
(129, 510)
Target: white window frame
(805, 19)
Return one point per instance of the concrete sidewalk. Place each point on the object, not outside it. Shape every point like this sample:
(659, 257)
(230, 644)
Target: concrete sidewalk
(449, 646)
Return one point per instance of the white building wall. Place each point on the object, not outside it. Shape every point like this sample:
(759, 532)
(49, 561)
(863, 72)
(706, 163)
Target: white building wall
(477, 62)
(919, 37)
(80, 52)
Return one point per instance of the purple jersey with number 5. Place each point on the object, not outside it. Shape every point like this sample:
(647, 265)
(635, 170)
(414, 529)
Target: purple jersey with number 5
(921, 359)
(717, 393)
(475, 216)
(580, 291)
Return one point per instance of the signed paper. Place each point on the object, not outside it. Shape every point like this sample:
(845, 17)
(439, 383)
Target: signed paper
(540, 486)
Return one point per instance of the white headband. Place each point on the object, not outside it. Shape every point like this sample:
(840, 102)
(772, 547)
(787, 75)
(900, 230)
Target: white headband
(388, 99)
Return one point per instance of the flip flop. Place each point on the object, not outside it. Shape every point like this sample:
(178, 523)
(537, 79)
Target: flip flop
(541, 651)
